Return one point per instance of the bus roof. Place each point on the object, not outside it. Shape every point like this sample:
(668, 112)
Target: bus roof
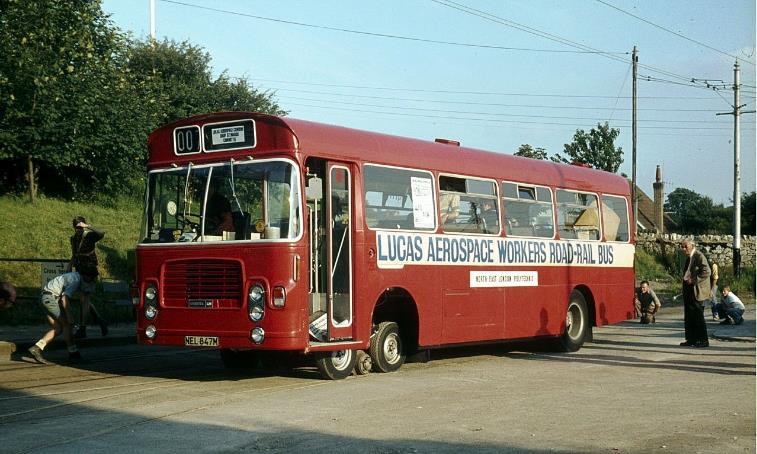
(341, 143)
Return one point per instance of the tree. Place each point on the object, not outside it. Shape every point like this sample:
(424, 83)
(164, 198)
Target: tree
(527, 151)
(66, 110)
(696, 214)
(596, 148)
(176, 81)
(747, 213)
(78, 98)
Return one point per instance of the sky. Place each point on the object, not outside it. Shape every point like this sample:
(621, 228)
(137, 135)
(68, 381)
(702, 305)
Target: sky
(496, 74)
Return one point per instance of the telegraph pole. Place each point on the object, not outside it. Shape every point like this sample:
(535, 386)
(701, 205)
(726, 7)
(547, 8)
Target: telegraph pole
(152, 21)
(736, 172)
(737, 106)
(634, 60)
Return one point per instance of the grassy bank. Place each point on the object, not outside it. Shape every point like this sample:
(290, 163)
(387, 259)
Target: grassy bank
(42, 230)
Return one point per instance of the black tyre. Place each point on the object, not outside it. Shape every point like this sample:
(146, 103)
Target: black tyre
(239, 359)
(364, 363)
(577, 325)
(336, 365)
(386, 348)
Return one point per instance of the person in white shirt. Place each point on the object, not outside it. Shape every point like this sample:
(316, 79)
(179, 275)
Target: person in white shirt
(730, 308)
(56, 300)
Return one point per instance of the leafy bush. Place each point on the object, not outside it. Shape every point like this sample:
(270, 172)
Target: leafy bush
(648, 267)
(742, 286)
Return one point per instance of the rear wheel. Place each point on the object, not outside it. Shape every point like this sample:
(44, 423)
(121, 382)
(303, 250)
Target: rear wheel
(386, 348)
(336, 365)
(577, 325)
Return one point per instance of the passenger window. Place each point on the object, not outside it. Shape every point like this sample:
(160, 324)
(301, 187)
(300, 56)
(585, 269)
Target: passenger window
(399, 199)
(528, 211)
(577, 215)
(468, 205)
(615, 215)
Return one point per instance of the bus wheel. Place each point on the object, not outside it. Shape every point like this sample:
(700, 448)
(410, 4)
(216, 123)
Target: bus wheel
(363, 364)
(576, 323)
(336, 365)
(386, 348)
(239, 359)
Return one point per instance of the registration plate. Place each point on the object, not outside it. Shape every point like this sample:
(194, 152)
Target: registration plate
(201, 341)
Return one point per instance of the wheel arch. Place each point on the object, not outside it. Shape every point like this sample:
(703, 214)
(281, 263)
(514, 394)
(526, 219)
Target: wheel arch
(396, 304)
(590, 302)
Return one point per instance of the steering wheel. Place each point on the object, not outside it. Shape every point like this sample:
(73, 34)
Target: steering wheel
(183, 219)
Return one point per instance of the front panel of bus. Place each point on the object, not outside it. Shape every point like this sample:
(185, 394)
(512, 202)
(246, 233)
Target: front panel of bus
(220, 255)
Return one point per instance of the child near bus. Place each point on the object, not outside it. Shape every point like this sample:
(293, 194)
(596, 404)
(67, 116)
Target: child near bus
(56, 300)
(730, 308)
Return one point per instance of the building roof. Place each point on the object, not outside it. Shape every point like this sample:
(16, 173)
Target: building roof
(645, 218)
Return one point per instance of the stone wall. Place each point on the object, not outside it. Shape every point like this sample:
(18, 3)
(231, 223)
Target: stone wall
(717, 248)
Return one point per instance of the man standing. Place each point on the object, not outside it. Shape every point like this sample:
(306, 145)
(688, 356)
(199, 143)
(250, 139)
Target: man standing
(84, 260)
(714, 289)
(696, 290)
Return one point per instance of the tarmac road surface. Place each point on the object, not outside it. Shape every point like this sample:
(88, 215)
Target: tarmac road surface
(632, 390)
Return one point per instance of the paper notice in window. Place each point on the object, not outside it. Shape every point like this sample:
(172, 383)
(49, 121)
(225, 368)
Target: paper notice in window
(423, 203)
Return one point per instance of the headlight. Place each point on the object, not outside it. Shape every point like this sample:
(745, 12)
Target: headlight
(257, 335)
(256, 303)
(257, 293)
(150, 332)
(256, 313)
(150, 311)
(151, 293)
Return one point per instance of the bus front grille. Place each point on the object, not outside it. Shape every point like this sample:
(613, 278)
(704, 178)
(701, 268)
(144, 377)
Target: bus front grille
(215, 282)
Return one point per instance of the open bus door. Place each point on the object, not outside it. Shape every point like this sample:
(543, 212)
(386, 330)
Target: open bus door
(330, 208)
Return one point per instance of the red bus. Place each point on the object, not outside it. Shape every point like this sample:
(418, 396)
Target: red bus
(263, 233)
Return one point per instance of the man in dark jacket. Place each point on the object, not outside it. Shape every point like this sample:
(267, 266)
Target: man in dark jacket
(696, 290)
(84, 260)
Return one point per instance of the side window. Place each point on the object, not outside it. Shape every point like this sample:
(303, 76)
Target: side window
(528, 210)
(468, 205)
(577, 215)
(615, 215)
(399, 198)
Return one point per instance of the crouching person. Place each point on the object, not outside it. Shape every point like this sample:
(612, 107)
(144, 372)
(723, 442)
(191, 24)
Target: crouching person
(646, 304)
(730, 308)
(56, 300)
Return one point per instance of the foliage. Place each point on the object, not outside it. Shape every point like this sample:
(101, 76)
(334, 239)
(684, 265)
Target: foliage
(175, 80)
(41, 230)
(64, 100)
(649, 268)
(595, 148)
(743, 286)
(695, 213)
(527, 151)
(747, 213)
(78, 97)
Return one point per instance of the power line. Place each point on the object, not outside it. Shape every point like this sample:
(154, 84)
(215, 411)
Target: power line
(492, 104)
(550, 36)
(463, 92)
(497, 114)
(672, 82)
(493, 120)
(671, 31)
(625, 79)
(376, 34)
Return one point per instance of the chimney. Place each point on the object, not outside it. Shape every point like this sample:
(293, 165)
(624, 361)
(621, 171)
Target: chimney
(659, 196)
